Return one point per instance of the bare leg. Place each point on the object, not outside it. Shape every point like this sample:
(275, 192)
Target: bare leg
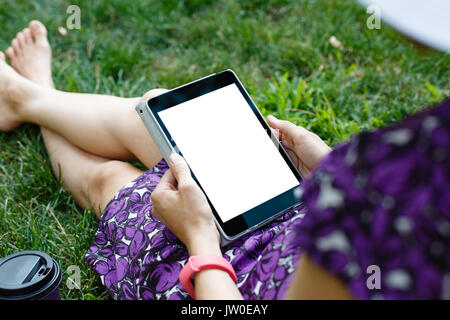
(99, 124)
(104, 125)
(92, 180)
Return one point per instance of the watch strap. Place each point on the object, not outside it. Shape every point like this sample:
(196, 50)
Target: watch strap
(203, 262)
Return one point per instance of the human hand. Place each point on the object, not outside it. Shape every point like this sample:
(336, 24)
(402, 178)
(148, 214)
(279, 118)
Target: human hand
(181, 205)
(305, 148)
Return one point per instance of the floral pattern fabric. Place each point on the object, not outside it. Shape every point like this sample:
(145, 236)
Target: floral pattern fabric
(137, 257)
(381, 200)
(381, 203)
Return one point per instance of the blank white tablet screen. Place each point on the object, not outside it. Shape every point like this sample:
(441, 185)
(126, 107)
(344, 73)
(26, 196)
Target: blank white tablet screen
(232, 156)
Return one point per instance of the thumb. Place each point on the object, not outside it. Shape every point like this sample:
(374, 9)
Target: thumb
(180, 169)
(281, 125)
(286, 128)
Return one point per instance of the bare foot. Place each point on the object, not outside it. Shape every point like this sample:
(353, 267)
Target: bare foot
(30, 54)
(15, 92)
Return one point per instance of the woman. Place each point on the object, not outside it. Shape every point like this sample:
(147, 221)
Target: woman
(358, 210)
(84, 139)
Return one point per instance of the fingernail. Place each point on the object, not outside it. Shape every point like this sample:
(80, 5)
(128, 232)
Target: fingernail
(174, 158)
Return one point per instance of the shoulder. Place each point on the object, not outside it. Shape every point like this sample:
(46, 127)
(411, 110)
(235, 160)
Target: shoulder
(379, 197)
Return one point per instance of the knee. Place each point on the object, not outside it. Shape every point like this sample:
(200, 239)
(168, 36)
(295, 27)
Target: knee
(103, 172)
(101, 182)
(153, 93)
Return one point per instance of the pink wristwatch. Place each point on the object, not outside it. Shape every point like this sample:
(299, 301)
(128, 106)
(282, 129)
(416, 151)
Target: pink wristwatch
(202, 262)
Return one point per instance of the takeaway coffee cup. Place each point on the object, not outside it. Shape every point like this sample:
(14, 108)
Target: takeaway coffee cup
(29, 275)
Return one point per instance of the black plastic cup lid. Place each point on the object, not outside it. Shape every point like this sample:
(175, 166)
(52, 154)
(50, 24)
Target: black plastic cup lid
(28, 275)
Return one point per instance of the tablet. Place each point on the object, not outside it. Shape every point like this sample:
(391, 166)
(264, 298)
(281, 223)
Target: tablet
(244, 171)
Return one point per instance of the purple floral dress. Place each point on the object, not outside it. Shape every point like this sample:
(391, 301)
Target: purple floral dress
(378, 206)
(137, 257)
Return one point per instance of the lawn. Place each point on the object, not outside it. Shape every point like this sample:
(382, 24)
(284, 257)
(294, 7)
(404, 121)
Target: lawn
(280, 49)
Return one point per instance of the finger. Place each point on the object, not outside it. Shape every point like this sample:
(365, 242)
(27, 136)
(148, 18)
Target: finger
(287, 129)
(164, 193)
(286, 142)
(180, 170)
(163, 189)
(167, 182)
(157, 214)
(273, 122)
(282, 125)
(275, 132)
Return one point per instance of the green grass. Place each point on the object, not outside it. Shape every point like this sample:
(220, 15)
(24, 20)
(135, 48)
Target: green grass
(279, 48)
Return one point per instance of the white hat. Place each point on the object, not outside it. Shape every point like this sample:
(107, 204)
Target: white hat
(426, 21)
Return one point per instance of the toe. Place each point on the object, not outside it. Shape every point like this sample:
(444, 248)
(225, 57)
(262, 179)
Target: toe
(2, 56)
(15, 45)
(38, 28)
(10, 53)
(21, 40)
(27, 35)
(38, 31)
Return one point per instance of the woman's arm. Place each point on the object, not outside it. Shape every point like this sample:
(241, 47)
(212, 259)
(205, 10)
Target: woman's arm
(212, 284)
(181, 205)
(312, 282)
(307, 150)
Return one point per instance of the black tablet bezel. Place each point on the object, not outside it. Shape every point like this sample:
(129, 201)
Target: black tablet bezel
(263, 212)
